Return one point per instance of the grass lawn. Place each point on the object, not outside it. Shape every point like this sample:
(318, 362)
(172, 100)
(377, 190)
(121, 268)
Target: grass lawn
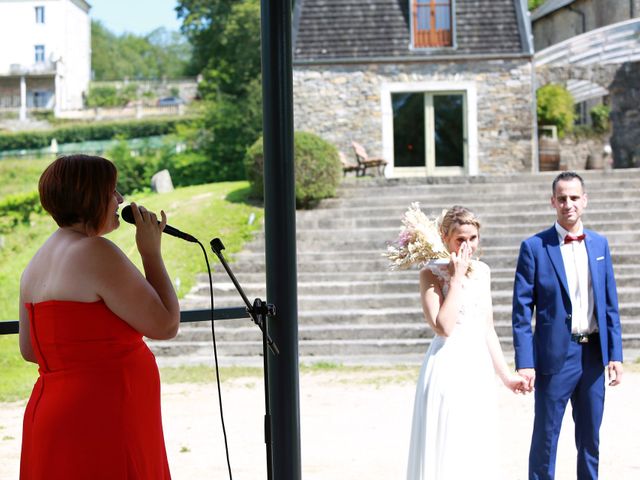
(21, 176)
(205, 211)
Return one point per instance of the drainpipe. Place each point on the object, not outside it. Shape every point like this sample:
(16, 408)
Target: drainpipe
(582, 15)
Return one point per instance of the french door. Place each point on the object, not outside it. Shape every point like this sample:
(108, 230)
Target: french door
(429, 133)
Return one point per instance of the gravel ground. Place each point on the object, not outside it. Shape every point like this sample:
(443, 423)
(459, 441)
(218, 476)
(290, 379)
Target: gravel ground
(354, 425)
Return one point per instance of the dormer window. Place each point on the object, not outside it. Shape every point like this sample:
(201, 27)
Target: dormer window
(431, 23)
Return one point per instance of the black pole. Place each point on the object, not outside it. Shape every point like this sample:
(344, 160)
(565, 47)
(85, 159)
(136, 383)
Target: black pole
(280, 235)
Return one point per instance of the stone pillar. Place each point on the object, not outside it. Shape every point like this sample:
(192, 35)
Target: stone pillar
(23, 98)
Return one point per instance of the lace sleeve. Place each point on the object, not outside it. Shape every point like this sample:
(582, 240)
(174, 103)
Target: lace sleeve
(440, 269)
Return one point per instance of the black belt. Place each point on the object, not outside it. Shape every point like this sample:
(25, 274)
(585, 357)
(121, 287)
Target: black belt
(584, 337)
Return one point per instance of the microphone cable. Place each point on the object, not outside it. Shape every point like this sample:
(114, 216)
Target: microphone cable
(215, 357)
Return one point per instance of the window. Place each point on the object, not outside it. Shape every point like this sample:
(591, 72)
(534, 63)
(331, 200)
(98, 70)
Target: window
(39, 53)
(39, 14)
(429, 131)
(431, 23)
(430, 128)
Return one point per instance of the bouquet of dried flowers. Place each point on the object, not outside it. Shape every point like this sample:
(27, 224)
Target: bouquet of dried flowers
(418, 242)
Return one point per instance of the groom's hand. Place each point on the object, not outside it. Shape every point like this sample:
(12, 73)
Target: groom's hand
(529, 374)
(615, 373)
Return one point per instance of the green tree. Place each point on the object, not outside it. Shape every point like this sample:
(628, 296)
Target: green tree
(225, 36)
(157, 55)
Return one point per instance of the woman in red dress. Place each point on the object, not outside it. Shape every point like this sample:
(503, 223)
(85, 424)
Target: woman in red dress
(94, 412)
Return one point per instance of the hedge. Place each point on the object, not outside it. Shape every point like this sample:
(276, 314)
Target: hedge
(90, 131)
(17, 209)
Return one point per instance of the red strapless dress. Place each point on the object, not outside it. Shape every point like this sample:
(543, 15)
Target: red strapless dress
(94, 412)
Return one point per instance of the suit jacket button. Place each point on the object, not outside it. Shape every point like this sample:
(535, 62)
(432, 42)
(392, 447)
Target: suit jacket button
(568, 317)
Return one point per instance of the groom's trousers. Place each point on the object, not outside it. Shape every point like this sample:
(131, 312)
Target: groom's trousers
(582, 381)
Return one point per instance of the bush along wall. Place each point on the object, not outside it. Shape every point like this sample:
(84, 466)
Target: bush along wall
(317, 169)
(91, 131)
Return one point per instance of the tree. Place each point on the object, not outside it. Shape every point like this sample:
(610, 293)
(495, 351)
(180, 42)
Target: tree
(203, 24)
(225, 36)
(160, 54)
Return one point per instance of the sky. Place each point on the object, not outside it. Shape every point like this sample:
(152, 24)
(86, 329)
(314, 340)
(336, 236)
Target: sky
(135, 16)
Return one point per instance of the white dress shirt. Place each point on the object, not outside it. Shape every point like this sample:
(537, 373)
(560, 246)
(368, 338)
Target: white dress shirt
(576, 267)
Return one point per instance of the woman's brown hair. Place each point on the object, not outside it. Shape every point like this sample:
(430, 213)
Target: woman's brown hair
(78, 188)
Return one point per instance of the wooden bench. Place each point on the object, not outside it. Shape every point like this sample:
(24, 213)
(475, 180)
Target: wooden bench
(365, 161)
(347, 166)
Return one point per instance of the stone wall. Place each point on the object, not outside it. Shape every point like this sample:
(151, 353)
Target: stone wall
(343, 103)
(579, 153)
(625, 116)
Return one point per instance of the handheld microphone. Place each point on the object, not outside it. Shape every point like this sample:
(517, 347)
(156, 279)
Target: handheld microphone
(127, 216)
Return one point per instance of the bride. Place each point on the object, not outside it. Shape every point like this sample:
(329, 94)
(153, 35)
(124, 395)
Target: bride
(453, 428)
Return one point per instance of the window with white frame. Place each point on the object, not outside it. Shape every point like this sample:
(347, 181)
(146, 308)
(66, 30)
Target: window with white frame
(39, 49)
(39, 14)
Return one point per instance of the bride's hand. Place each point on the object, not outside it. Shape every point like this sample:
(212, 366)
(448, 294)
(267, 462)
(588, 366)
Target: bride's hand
(516, 384)
(459, 262)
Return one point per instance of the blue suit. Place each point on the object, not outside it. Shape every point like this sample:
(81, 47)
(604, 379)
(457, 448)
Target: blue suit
(565, 370)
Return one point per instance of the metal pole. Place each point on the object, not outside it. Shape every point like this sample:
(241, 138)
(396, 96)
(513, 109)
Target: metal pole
(280, 235)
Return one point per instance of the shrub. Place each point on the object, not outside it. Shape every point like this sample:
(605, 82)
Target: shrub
(190, 168)
(17, 209)
(91, 131)
(102, 96)
(134, 171)
(555, 107)
(317, 169)
(600, 118)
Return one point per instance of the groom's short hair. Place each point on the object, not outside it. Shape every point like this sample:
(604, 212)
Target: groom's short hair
(566, 176)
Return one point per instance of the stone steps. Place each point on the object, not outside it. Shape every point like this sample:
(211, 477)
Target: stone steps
(366, 299)
(351, 305)
(499, 286)
(364, 314)
(244, 329)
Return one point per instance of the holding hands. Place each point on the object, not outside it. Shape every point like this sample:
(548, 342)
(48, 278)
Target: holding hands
(529, 375)
(516, 383)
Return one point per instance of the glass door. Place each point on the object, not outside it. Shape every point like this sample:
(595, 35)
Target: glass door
(429, 133)
(409, 132)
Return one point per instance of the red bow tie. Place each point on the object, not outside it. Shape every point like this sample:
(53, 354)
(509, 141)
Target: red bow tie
(574, 238)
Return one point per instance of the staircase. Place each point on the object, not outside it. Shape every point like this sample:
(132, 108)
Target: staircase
(350, 305)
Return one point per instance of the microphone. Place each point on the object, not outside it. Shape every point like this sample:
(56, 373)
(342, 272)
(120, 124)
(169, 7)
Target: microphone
(127, 216)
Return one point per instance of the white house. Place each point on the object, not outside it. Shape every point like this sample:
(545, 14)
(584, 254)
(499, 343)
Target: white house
(45, 54)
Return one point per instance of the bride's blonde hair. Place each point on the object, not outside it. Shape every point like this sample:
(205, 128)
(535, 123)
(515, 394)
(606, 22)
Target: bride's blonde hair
(455, 216)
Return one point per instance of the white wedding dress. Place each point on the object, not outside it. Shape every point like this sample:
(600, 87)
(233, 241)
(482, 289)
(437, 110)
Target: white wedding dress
(453, 433)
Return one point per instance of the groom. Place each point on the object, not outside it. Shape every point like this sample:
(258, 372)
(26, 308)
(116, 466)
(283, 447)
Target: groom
(565, 274)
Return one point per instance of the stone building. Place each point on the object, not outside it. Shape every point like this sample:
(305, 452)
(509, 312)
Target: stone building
(45, 59)
(558, 20)
(592, 47)
(436, 87)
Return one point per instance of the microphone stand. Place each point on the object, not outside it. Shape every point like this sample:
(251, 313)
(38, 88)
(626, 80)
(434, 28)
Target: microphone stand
(259, 311)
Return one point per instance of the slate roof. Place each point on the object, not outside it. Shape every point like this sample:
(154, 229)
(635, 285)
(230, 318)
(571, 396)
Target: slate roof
(351, 30)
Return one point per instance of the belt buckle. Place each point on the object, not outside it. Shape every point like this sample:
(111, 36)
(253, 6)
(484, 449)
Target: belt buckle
(581, 338)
